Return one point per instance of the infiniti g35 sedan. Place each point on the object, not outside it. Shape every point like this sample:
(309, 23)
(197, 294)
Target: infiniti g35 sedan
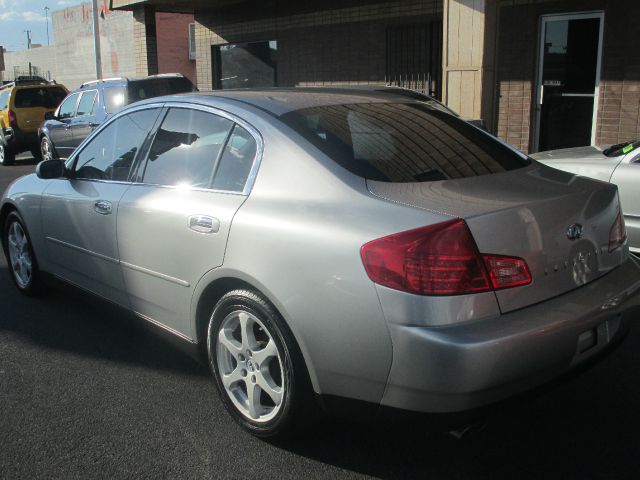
(618, 164)
(332, 244)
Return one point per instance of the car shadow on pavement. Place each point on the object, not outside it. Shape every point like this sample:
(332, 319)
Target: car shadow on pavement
(68, 319)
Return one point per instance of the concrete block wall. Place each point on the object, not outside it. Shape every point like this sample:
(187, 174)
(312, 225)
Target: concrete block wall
(70, 58)
(344, 44)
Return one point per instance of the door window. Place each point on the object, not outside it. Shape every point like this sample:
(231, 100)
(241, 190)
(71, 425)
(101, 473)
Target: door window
(186, 148)
(110, 154)
(85, 106)
(68, 107)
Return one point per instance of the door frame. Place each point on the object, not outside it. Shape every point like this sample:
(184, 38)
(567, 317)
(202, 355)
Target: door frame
(537, 103)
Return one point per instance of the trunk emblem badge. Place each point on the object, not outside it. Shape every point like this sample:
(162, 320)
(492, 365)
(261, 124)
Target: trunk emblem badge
(574, 231)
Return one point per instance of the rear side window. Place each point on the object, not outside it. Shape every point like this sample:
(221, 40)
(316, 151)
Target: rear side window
(186, 148)
(236, 161)
(110, 154)
(44, 97)
(155, 87)
(402, 142)
(114, 99)
(85, 106)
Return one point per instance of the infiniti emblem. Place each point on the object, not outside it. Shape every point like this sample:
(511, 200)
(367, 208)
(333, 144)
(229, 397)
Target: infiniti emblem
(574, 231)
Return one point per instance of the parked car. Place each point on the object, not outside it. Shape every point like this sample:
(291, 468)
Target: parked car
(90, 105)
(365, 246)
(617, 164)
(23, 106)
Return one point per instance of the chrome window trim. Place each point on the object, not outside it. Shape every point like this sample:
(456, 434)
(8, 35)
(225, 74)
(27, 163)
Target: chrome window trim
(253, 172)
(70, 163)
(257, 159)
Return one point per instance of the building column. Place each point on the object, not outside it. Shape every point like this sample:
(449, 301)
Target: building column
(468, 56)
(144, 37)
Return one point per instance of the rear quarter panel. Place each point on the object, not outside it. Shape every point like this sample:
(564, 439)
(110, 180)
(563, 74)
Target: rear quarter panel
(297, 238)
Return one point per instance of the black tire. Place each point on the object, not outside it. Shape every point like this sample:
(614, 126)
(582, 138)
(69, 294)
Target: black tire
(297, 407)
(36, 153)
(7, 157)
(47, 152)
(30, 284)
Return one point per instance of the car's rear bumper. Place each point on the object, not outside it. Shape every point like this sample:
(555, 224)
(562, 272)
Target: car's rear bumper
(19, 140)
(466, 366)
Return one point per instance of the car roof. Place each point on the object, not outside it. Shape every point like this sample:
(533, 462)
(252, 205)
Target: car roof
(278, 101)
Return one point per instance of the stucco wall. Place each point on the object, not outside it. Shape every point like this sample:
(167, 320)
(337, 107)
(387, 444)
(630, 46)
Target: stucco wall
(71, 57)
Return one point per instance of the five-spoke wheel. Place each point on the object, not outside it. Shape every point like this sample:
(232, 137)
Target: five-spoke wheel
(46, 149)
(22, 262)
(257, 365)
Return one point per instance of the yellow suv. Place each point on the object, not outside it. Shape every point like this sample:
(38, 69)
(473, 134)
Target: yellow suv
(23, 104)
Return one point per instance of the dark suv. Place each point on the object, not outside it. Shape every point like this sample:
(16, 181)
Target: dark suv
(91, 104)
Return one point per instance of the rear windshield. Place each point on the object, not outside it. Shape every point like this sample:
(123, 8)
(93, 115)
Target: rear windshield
(45, 97)
(155, 87)
(402, 142)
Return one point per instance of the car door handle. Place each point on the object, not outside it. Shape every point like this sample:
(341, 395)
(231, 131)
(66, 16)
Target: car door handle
(204, 224)
(93, 125)
(103, 207)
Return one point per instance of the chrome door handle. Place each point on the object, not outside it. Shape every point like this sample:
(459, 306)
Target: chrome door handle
(103, 207)
(204, 224)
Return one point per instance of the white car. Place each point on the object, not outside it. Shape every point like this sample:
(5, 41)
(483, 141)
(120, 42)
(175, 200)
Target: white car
(618, 164)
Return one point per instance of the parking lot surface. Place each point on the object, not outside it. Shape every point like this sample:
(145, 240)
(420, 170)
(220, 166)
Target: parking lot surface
(87, 393)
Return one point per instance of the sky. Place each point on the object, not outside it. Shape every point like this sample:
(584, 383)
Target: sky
(16, 16)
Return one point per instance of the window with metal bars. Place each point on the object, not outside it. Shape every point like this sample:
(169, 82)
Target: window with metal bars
(414, 58)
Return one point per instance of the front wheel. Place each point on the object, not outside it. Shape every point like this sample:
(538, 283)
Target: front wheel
(257, 367)
(20, 256)
(46, 150)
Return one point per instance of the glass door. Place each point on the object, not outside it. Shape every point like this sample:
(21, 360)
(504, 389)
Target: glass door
(568, 76)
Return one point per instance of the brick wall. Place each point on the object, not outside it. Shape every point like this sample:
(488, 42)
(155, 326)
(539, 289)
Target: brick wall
(618, 108)
(173, 44)
(343, 44)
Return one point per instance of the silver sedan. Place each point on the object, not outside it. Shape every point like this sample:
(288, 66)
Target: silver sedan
(617, 164)
(332, 244)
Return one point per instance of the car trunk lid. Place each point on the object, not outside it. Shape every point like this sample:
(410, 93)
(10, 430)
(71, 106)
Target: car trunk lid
(527, 213)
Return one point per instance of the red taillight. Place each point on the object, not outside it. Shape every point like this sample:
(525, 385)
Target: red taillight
(506, 272)
(440, 259)
(618, 232)
(13, 120)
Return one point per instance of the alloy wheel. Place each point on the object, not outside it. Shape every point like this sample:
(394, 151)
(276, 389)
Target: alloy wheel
(20, 255)
(250, 366)
(45, 148)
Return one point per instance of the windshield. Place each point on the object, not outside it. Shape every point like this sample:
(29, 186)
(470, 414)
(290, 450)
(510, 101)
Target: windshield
(621, 148)
(45, 97)
(403, 142)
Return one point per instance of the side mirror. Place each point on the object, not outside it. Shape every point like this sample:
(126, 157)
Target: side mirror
(49, 115)
(48, 169)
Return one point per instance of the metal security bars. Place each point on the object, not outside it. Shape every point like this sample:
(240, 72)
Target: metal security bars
(414, 58)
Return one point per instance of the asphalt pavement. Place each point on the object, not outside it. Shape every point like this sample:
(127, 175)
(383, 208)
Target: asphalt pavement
(87, 393)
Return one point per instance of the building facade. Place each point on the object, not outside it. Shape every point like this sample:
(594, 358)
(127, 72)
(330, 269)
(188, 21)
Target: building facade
(542, 74)
(71, 60)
